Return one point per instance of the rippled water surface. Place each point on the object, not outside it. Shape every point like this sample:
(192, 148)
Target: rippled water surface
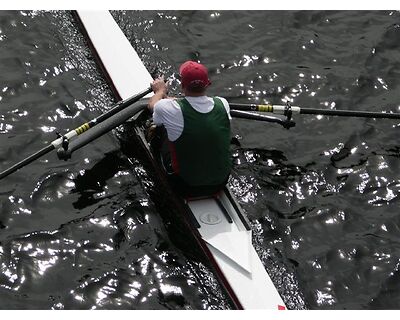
(322, 197)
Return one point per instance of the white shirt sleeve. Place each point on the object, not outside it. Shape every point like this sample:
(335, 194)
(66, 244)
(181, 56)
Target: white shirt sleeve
(227, 108)
(168, 113)
(158, 113)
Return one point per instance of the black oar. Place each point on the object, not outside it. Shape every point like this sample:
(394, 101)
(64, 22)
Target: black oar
(63, 141)
(289, 110)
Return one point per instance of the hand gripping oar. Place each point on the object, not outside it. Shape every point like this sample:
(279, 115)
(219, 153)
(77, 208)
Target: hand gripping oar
(289, 110)
(63, 141)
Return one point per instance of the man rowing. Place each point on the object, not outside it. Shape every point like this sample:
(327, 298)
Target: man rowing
(195, 150)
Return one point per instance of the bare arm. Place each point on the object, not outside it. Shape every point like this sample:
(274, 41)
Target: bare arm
(160, 89)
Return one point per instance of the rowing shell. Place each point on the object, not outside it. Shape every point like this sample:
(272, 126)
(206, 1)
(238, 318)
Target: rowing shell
(218, 223)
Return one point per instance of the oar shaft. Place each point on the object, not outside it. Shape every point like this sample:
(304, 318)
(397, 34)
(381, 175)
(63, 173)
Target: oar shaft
(26, 161)
(121, 105)
(92, 123)
(261, 117)
(102, 128)
(75, 132)
(279, 109)
(350, 113)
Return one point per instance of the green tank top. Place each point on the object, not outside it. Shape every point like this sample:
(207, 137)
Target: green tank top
(201, 155)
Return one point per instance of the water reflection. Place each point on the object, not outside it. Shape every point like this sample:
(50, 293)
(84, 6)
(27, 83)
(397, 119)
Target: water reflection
(322, 197)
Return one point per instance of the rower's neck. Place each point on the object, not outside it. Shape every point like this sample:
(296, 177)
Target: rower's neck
(188, 93)
(195, 95)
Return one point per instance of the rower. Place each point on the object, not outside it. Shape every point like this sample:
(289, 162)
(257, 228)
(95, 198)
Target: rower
(193, 133)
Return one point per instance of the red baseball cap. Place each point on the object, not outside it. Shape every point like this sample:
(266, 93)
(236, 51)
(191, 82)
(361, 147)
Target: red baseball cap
(194, 74)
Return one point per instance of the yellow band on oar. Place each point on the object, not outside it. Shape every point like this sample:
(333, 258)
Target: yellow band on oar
(82, 128)
(265, 108)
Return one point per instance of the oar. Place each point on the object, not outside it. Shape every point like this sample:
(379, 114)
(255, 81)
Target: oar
(63, 141)
(288, 110)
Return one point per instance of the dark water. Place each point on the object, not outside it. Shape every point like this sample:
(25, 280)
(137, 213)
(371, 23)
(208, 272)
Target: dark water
(322, 197)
